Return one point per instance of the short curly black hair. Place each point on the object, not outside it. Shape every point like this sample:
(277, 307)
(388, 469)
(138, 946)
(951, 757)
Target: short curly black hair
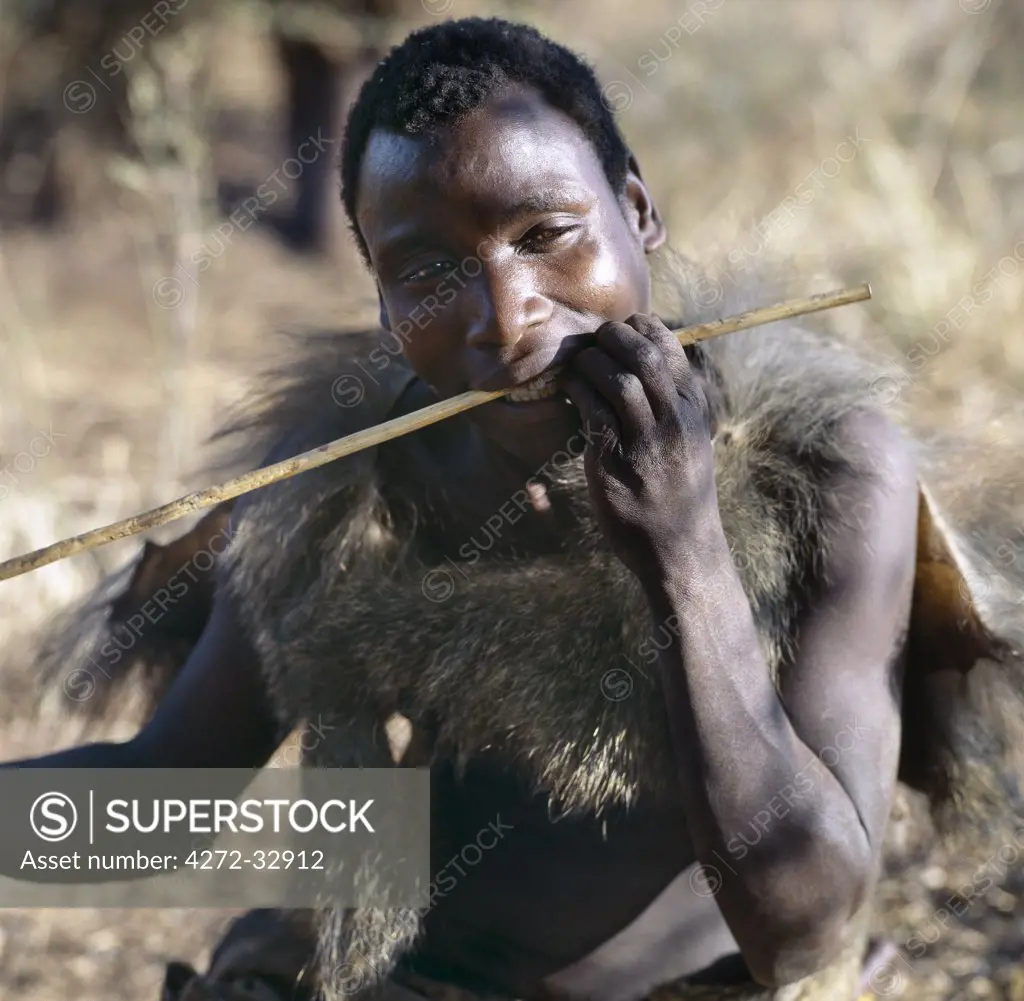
(443, 72)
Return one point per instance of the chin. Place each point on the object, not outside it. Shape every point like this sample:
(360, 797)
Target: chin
(532, 432)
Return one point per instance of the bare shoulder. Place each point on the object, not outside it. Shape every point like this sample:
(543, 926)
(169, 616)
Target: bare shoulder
(878, 531)
(889, 448)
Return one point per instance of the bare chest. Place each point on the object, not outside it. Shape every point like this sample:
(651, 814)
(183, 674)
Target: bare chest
(519, 896)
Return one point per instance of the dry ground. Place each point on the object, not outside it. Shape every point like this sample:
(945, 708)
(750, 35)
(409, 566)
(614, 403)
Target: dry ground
(730, 115)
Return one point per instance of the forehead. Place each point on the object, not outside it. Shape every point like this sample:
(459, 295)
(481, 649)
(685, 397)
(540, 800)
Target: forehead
(512, 151)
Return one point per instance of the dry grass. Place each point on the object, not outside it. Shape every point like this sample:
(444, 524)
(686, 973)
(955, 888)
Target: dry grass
(736, 122)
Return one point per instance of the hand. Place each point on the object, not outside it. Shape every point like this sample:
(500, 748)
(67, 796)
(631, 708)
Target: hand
(649, 466)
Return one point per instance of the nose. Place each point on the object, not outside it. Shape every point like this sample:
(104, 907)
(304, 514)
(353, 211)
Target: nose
(510, 305)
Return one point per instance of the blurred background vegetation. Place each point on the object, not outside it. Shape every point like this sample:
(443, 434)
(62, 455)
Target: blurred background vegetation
(878, 140)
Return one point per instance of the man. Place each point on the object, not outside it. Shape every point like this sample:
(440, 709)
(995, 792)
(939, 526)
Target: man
(722, 824)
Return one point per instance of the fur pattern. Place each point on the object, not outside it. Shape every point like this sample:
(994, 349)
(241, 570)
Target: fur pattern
(501, 640)
(333, 584)
(515, 658)
(337, 560)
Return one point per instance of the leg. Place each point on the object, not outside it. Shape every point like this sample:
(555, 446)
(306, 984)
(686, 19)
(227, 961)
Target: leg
(266, 955)
(840, 981)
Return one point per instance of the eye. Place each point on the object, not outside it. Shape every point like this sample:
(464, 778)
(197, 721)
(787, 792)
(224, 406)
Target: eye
(427, 272)
(544, 237)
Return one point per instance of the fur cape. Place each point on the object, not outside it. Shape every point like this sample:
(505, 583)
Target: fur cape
(335, 591)
(356, 616)
(352, 618)
(327, 573)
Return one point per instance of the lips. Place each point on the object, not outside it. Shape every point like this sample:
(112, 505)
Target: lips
(539, 389)
(531, 421)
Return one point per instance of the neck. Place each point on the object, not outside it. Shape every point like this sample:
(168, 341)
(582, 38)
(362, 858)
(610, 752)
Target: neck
(466, 483)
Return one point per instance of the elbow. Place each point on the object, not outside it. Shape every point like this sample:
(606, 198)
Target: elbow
(804, 939)
(795, 959)
(804, 946)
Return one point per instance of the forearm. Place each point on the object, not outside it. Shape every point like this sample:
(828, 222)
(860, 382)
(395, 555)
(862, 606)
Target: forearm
(107, 755)
(744, 770)
(130, 754)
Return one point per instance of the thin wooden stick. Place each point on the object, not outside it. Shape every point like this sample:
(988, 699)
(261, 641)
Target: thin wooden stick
(382, 432)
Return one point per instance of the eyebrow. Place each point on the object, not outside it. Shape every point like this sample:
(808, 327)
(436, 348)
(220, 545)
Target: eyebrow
(539, 202)
(536, 203)
(400, 245)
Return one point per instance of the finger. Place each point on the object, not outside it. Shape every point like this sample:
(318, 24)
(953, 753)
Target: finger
(639, 354)
(653, 329)
(683, 374)
(687, 380)
(620, 389)
(595, 414)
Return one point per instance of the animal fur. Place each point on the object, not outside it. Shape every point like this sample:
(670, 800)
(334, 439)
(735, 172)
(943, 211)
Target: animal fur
(530, 638)
(107, 641)
(334, 560)
(133, 636)
(328, 571)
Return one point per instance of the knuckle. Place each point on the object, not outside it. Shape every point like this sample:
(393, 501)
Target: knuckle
(688, 386)
(693, 411)
(631, 387)
(644, 323)
(613, 329)
(651, 326)
(650, 359)
(639, 321)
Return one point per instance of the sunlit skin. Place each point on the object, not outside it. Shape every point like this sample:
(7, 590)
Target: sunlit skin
(594, 911)
(516, 187)
(558, 253)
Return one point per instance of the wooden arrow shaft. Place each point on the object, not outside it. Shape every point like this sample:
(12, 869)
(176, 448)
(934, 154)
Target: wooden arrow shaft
(201, 499)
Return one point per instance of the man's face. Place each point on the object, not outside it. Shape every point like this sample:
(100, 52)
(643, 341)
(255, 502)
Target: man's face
(497, 244)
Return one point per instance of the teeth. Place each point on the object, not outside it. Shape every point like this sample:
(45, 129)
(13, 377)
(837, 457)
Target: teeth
(541, 388)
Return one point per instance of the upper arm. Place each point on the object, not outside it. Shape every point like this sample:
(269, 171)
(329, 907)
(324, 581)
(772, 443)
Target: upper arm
(217, 713)
(842, 688)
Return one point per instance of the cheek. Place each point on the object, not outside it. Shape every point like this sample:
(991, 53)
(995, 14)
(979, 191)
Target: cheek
(609, 280)
(422, 359)
(429, 331)
(432, 354)
(623, 284)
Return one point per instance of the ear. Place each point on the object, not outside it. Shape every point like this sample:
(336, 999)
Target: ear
(641, 210)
